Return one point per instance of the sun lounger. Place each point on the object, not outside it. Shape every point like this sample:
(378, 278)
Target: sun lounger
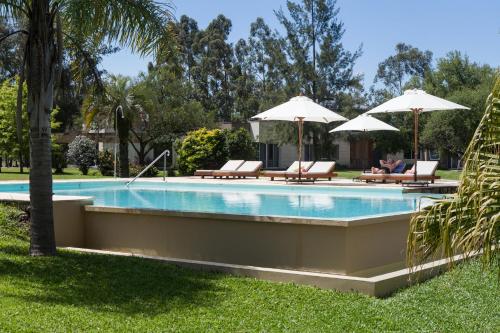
(318, 170)
(294, 168)
(247, 169)
(231, 165)
(426, 171)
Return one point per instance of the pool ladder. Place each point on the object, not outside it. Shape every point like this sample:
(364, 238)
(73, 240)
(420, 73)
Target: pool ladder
(164, 155)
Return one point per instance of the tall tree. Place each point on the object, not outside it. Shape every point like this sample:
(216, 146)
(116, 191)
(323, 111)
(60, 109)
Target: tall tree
(408, 62)
(468, 83)
(138, 24)
(320, 66)
(268, 63)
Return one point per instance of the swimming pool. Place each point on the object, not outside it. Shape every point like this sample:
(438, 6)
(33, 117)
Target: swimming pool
(316, 202)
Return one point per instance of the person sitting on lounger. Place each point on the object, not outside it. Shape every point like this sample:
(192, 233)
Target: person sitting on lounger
(389, 166)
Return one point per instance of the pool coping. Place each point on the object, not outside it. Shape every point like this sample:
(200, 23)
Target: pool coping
(250, 218)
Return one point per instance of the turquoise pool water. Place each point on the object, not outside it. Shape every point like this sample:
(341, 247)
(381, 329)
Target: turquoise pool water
(323, 202)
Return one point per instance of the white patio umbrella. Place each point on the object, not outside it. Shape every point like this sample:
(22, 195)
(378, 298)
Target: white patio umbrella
(364, 123)
(416, 101)
(300, 109)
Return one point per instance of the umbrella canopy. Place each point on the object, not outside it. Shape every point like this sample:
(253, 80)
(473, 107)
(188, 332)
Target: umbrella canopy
(300, 109)
(364, 123)
(416, 101)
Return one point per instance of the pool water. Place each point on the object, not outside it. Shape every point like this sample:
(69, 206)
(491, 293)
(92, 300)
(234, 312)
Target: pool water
(321, 202)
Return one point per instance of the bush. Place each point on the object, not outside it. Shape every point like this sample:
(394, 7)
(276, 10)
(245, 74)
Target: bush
(202, 149)
(210, 149)
(135, 169)
(239, 144)
(59, 161)
(82, 152)
(105, 163)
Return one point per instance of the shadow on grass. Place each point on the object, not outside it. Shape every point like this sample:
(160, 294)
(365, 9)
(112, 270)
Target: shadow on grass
(106, 283)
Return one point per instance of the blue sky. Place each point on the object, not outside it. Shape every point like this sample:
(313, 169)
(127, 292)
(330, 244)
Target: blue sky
(472, 27)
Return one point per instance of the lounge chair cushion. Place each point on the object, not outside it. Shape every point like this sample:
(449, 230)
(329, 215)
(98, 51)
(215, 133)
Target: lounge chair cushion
(250, 166)
(399, 168)
(295, 166)
(426, 168)
(322, 168)
(232, 165)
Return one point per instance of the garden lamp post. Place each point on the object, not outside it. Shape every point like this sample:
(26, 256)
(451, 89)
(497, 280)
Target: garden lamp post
(118, 109)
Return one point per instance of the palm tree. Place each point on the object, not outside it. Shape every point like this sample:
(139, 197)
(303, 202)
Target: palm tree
(469, 222)
(139, 24)
(117, 105)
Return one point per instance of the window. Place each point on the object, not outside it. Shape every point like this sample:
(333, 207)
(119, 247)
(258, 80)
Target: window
(308, 152)
(434, 155)
(335, 152)
(269, 155)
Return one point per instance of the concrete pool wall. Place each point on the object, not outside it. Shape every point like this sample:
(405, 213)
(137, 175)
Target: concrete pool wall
(361, 247)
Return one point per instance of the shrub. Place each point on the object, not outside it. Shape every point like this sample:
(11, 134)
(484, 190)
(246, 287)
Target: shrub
(135, 169)
(105, 163)
(202, 149)
(59, 161)
(82, 152)
(239, 144)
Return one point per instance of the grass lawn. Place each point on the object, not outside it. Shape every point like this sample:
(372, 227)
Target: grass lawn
(84, 292)
(69, 173)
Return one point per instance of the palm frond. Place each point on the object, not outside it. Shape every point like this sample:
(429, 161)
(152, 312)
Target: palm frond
(141, 25)
(469, 223)
(15, 8)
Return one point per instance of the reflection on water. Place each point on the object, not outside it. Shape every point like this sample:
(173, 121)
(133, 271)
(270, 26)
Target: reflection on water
(244, 202)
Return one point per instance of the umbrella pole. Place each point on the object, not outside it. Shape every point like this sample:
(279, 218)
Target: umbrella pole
(300, 123)
(415, 143)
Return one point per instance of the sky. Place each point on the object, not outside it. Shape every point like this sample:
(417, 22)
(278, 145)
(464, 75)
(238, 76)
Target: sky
(470, 26)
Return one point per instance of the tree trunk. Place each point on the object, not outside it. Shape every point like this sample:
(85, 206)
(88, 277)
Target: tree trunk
(40, 79)
(19, 117)
(123, 132)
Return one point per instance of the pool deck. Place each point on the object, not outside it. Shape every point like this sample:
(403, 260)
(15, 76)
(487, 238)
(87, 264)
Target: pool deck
(261, 181)
(440, 186)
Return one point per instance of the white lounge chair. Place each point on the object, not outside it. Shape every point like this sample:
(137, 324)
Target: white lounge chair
(247, 169)
(426, 171)
(323, 169)
(231, 165)
(306, 165)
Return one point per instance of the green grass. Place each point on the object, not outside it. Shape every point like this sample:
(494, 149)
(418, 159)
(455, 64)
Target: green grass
(77, 292)
(69, 173)
(449, 174)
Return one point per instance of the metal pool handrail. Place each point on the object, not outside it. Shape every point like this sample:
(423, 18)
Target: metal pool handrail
(164, 155)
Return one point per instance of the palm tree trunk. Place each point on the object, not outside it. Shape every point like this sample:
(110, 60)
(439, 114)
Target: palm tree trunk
(19, 117)
(40, 79)
(123, 132)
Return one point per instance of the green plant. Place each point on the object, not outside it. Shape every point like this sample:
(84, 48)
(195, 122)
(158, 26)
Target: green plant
(202, 149)
(59, 161)
(82, 152)
(105, 163)
(469, 222)
(239, 144)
